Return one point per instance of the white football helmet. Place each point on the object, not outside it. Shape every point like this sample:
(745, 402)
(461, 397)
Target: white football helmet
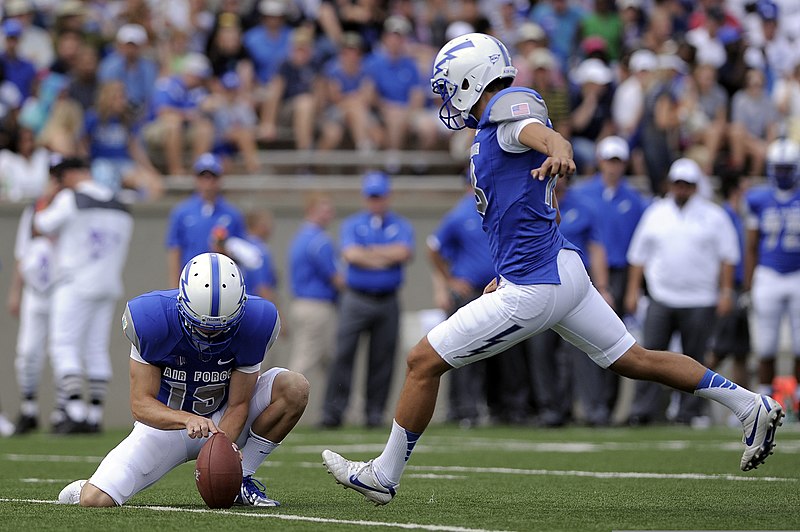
(462, 70)
(211, 300)
(783, 161)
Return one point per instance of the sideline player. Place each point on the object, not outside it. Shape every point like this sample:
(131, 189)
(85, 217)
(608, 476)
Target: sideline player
(541, 281)
(195, 371)
(772, 258)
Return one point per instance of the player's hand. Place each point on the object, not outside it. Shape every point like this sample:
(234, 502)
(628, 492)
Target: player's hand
(554, 166)
(726, 303)
(491, 287)
(200, 427)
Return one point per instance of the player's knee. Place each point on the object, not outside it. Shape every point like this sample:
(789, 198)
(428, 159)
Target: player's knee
(423, 360)
(93, 497)
(294, 389)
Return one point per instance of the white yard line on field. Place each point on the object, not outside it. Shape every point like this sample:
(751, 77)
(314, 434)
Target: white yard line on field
(284, 517)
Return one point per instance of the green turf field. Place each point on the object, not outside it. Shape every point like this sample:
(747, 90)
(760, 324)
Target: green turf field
(479, 479)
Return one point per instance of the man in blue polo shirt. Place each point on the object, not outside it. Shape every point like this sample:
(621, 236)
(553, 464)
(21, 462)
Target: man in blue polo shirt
(207, 222)
(127, 64)
(314, 282)
(376, 244)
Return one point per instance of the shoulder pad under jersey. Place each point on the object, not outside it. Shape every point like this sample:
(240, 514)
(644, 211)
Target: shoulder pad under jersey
(512, 105)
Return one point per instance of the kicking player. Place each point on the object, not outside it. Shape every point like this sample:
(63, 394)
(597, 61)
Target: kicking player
(772, 258)
(195, 357)
(541, 281)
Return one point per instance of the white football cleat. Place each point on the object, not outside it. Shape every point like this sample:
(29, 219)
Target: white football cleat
(759, 431)
(358, 476)
(253, 493)
(72, 493)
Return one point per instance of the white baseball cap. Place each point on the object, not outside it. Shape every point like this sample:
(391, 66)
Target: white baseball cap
(592, 71)
(643, 61)
(613, 148)
(685, 170)
(272, 8)
(196, 64)
(132, 33)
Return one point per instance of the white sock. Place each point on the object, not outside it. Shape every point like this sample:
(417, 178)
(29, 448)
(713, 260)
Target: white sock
(29, 407)
(76, 410)
(255, 451)
(95, 414)
(389, 466)
(717, 388)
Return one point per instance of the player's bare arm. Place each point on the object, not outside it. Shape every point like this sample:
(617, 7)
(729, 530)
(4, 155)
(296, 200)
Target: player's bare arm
(239, 395)
(541, 138)
(147, 409)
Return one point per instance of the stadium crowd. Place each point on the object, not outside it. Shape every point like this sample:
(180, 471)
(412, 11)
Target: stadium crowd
(131, 83)
(141, 89)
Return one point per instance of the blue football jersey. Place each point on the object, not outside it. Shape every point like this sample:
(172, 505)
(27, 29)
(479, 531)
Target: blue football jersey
(152, 324)
(777, 218)
(518, 213)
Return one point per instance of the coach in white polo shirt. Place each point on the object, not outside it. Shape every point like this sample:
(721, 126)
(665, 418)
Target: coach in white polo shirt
(686, 248)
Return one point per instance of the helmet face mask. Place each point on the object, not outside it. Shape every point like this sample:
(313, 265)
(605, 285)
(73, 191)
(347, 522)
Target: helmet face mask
(211, 301)
(462, 70)
(783, 163)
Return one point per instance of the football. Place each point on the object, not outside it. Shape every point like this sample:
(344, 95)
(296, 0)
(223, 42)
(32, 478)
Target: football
(218, 472)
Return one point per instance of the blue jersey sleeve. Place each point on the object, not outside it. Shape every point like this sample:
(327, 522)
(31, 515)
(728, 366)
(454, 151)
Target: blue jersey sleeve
(174, 235)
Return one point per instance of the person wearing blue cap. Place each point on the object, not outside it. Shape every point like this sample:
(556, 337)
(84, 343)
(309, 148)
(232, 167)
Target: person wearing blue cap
(376, 243)
(207, 222)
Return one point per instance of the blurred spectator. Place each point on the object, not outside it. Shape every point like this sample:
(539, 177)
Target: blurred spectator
(590, 111)
(634, 21)
(207, 222)
(292, 94)
(24, 168)
(376, 245)
(261, 281)
(561, 21)
(235, 123)
(770, 51)
(118, 160)
(660, 121)
(772, 258)
(173, 49)
(686, 248)
(127, 64)
(178, 115)
(627, 107)
(84, 84)
(70, 16)
(529, 37)
(604, 22)
(659, 32)
(68, 44)
(314, 284)
(63, 129)
(18, 70)
(269, 42)
(398, 87)
(706, 38)
(227, 54)
(786, 96)
(703, 113)
(544, 69)
(754, 124)
(10, 102)
(347, 97)
(35, 44)
(506, 24)
(621, 206)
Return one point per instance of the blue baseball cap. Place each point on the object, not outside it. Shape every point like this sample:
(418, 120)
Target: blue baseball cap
(208, 162)
(375, 184)
(767, 9)
(230, 80)
(12, 27)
